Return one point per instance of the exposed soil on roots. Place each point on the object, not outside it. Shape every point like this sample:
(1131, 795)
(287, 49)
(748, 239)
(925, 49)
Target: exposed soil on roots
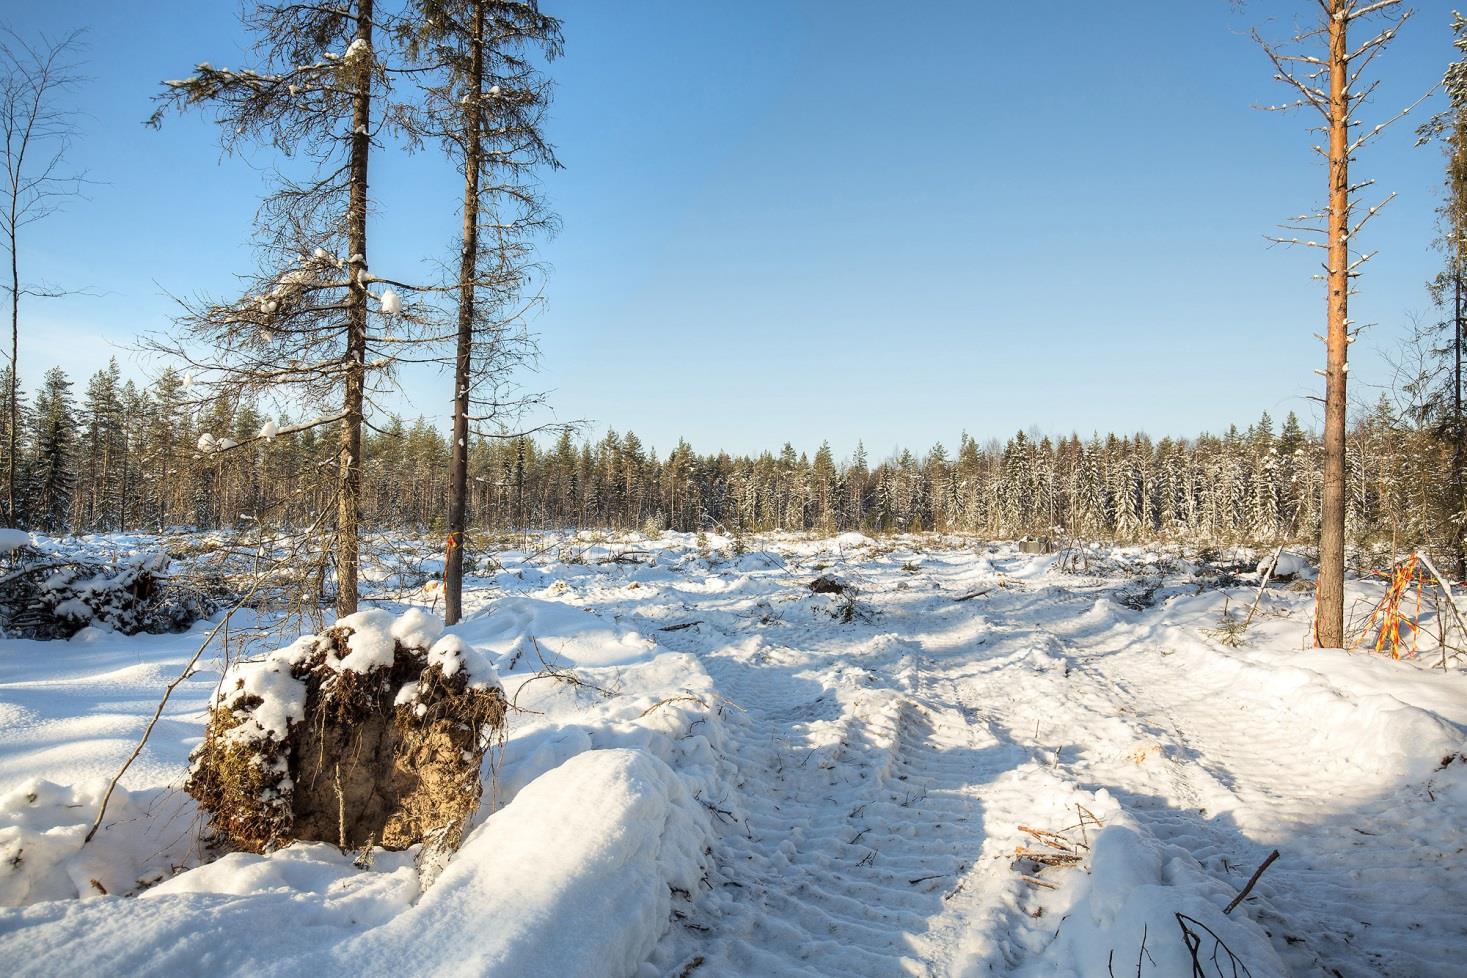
(387, 756)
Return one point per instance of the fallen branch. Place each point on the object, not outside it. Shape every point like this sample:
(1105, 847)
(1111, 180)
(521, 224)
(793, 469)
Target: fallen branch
(679, 626)
(1248, 888)
(1051, 839)
(625, 557)
(1061, 859)
(1272, 566)
(1451, 601)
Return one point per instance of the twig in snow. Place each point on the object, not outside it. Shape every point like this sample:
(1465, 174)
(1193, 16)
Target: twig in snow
(1192, 931)
(1248, 887)
(674, 699)
(679, 626)
(549, 671)
(1144, 930)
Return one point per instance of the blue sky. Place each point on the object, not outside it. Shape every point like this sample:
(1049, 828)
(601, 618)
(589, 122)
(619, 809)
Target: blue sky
(819, 220)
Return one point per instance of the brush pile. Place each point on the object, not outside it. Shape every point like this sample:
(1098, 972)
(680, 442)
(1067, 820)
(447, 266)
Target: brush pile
(42, 597)
(370, 733)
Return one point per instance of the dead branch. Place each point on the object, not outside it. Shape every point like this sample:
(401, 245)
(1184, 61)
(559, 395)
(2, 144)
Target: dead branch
(679, 626)
(1248, 887)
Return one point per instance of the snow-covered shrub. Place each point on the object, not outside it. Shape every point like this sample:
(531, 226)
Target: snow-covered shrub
(371, 732)
(44, 599)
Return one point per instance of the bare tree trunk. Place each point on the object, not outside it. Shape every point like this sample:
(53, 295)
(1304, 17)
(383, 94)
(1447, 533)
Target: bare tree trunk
(10, 504)
(126, 489)
(348, 512)
(1329, 622)
(453, 571)
(1458, 502)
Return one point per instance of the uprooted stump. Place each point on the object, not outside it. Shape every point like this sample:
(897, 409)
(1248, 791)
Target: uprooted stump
(827, 584)
(370, 733)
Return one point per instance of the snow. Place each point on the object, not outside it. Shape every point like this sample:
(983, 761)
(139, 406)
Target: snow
(282, 697)
(772, 789)
(1289, 565)
(207, 442)
(269, 430)
(12, 540)
(601, 841)
(371, 644)
(74, 608)
(391, 303)
(43, 826)
(416, 628)
(1135, 888)
(451, 653)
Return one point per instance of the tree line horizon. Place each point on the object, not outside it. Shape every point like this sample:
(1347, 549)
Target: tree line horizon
(125, 458)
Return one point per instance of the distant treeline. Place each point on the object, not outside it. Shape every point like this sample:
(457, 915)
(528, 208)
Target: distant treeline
(123, 458)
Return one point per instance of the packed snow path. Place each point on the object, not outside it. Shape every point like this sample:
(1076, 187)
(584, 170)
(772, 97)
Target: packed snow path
(863, 764)
(885, 765)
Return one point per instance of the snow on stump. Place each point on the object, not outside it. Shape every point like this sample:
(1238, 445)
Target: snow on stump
(370, 733)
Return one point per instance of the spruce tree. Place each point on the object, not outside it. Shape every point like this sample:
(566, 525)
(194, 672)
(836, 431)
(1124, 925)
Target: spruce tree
(53, 466)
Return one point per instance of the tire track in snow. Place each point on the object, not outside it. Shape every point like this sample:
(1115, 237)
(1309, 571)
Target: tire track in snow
(861, 808)
(1228, 782)
(882, 770)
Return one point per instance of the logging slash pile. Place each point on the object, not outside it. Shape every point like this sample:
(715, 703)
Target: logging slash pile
(370, 733)
(45, 597)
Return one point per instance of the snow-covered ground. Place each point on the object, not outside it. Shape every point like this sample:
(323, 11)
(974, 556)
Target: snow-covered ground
(711, 770)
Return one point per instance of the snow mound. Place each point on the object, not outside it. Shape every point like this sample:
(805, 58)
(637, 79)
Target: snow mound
(12, 540)
(343, 894)
(573, 878)
(1290, 565)
(43, 850)
(1137, 888)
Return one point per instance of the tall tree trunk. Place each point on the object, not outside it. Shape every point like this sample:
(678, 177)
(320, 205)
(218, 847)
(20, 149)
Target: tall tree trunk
(453, 571)
(11, 436)
(1459, 503)
(1329, 621)
(349, 481)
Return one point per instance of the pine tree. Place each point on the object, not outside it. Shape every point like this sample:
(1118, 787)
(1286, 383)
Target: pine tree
(1441, 399)
(486, 107)
(303, 330)
(1325, 73)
